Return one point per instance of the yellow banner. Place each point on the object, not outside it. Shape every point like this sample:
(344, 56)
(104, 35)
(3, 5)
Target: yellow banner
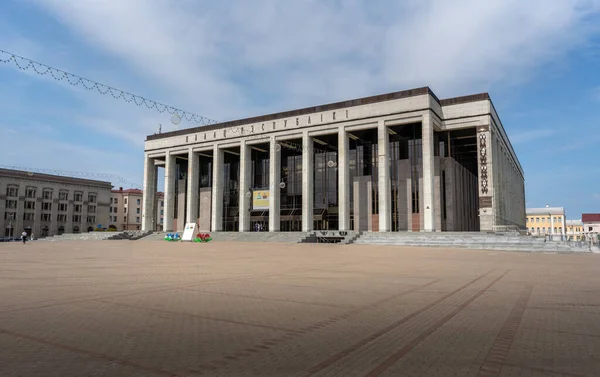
(260, 199)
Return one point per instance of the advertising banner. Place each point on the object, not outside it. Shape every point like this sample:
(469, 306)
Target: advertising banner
(260, 200)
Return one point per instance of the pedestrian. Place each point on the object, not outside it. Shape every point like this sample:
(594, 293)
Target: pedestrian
(24, 236)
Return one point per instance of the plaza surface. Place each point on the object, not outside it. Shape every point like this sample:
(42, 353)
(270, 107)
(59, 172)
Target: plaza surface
(152, 308)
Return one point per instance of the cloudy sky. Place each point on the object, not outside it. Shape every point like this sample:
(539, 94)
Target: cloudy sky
(538, 59)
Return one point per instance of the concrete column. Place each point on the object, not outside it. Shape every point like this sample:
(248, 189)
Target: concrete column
(216, 220)
(343, 180)
(193, 183)
(307, 182)
(428, 174)
(384, 186)
(274, 180)
(69, 224)
(245, 172)
(169, 208)
(551, 225)
(17, 222)
(54, 213)
(148, 195)
(563, 227)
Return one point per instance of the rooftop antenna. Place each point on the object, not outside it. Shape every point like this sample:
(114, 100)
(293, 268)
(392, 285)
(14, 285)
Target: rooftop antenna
(159, 128)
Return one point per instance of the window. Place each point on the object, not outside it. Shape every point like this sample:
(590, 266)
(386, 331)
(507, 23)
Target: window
(77, 208)
(125, 209)
(29, 204)
(111, 200)
(47, 194)
(137, 210)
(63, 195)
(92, 197)
(116, 200)
(162, 204)
(61, 218)
(78, 196)
(554, 229)
(30, 192)
(162, 212)
(559, 229)
(28, 216)
(10, 215)
(527, 219)
(91, 219)
(62, 207)
(125, 201)
(11, 204)
(45, 217)
(544, 230)
(47, 206)
(76, 218)
(139, 201)
(537, 219)
(91, 209)
(124, 219)
(137, 219)
(12, 191)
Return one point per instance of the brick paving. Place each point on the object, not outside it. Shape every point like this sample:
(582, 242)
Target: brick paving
(152, 308)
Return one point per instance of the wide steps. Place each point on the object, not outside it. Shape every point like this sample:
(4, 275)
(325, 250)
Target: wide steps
(470, 240)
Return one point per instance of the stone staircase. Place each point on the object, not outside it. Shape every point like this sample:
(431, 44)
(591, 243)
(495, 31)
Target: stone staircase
(288, 237)
(131, 235)
(330, 236)
(91, 236)
(471, 240)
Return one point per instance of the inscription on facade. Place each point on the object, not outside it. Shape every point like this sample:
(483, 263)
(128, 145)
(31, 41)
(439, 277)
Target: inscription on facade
(483, 161)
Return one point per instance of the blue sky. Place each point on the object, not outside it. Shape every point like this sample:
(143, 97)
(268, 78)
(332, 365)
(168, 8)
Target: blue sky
(539, 60)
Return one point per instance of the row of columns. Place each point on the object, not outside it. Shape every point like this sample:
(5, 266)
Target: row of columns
(384, 183)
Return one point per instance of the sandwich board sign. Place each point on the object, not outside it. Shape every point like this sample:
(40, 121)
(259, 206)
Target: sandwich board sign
(189, 232)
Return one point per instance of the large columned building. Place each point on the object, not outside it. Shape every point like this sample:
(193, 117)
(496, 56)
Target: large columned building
(403, 161)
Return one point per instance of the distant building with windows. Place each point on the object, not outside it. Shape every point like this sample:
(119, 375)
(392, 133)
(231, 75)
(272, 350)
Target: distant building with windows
(46, 205)
(126, 210)
(575, 230)
(546, 221)
(591, 226)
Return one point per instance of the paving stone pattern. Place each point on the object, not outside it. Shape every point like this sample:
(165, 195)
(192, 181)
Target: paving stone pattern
(122, 308)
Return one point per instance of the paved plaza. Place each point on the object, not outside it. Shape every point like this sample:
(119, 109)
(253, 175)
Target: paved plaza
(152, 308)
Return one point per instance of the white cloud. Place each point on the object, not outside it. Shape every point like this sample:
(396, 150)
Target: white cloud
(217, 57)
(234, 59)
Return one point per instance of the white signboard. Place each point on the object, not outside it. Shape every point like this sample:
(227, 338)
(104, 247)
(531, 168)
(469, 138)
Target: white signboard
(189, 233)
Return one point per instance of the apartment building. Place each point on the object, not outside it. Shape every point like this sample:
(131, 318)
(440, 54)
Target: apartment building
(126, 210)
(46, 205)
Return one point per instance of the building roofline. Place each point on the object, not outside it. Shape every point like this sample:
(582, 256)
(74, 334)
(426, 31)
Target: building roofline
(544, 211)
(331, 106)
(53, 178)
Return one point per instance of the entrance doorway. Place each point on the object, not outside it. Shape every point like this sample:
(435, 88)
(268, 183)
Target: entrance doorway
(45, 231)
(9, 231)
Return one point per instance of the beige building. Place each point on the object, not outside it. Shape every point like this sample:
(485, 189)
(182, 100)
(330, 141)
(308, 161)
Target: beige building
(126, 210)
(46, 205)
(547, 221)
(575, 231)
(402, 161)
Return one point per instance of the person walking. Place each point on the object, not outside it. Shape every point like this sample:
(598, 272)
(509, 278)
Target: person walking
(24, 236)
